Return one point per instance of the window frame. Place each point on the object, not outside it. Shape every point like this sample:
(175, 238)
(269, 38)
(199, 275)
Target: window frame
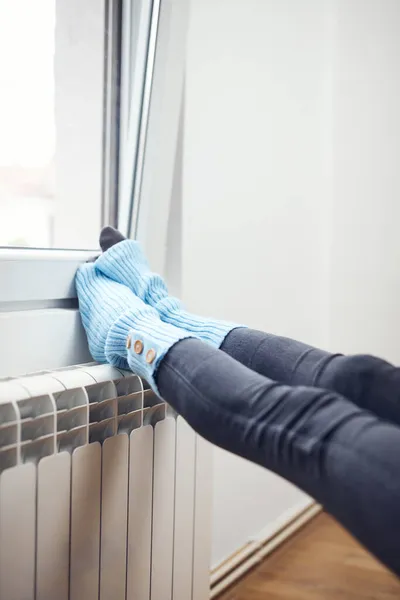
(111, 112)
(156, 183)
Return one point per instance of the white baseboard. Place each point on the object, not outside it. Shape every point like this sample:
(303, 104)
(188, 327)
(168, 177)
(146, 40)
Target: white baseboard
(255, 551)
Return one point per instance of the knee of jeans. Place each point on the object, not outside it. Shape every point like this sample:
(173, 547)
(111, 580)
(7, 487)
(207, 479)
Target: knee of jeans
(352, 375)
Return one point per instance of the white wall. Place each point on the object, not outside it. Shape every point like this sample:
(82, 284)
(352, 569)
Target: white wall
(254, 209)
(291, 186)
(365, 276)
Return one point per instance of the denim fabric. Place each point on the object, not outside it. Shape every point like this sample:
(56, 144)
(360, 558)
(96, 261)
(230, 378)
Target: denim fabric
(343, 456)
(369, 382)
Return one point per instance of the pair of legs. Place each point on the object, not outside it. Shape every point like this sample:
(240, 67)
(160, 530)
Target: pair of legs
(327, 423)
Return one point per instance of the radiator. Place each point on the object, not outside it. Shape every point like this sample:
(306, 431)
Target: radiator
(103, 491)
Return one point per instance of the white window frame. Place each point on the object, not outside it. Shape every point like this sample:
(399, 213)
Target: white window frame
(156, 158)
(39, 320)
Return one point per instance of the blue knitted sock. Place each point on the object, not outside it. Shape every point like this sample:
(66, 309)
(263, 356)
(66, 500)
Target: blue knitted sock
(125, 262)
(122, 329)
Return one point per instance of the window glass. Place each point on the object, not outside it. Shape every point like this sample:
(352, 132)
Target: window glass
(52, 82)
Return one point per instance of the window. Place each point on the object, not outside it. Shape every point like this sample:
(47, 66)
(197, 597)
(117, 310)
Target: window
(27, 123)
(90, 106)
(52, 77)
(89, 112)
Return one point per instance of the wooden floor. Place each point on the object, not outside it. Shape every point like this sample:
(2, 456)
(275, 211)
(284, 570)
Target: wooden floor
(322, 562)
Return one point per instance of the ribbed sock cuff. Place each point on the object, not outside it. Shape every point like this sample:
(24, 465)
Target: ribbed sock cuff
(208, 330)
(140, 342)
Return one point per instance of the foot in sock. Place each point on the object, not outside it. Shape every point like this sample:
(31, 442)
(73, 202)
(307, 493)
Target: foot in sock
(124, 261)
(121, 329)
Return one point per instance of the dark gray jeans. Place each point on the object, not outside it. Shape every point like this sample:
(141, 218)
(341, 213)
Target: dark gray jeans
(330, 424)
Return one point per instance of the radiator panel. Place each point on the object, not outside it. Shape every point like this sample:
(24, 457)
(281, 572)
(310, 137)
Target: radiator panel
(99, 491)
(140, 508)
(163, 509)
(114, 517)
(202, 521)
(184, 511)
(85, 522)
(17, 533)
(53, 527)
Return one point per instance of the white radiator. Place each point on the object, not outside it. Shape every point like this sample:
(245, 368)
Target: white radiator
(104, 492)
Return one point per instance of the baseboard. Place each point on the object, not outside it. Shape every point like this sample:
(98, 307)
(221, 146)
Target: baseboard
(252, 553)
